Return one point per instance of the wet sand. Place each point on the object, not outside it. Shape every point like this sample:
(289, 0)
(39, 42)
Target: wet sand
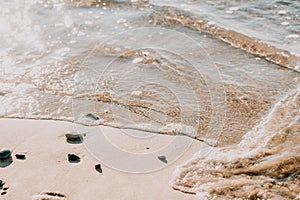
(47, 174)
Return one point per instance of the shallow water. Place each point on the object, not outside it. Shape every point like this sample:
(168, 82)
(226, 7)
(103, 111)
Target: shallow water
(273, 21)
(202, 69)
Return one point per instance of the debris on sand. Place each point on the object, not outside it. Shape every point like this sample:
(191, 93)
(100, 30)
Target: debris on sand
(74, 137)
(5, 154)
(92, 116)
(98, 168)
(162, 159)
(73, 158)
(20, 156)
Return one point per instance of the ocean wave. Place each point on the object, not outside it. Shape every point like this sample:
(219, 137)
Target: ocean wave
(264, 165)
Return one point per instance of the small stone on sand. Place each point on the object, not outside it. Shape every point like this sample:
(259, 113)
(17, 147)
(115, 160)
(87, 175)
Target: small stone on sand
(73, 158)
(74, 136)
(20, 156)
(92, 116)
(163, 159)
(98, 168)
(5, 154)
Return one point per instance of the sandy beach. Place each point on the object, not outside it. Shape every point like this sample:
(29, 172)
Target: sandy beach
(147, 99)
(46, 169)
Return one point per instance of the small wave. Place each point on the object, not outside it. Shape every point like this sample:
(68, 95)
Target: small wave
(169, 16)
(264, 165)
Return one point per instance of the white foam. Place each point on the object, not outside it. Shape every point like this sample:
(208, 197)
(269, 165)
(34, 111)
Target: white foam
(234, 8)
(282, 12)
(293, 36)
(122, 20)
(4, 26)
(137, 93)
(285, 23)
(137, 60)
(68, 21)
(179, 128)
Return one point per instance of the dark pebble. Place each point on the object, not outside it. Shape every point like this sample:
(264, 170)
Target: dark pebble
(158, 61)
(3, 193)
(98, 168)
(5, 154)
(20, 156)
(92, 116)
(163, 159)
(73, 136)
(6, 188)
(73, 158)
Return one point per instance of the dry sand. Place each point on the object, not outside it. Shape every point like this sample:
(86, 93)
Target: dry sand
(47, 170)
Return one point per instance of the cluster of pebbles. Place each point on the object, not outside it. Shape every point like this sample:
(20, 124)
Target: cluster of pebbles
(3, 188)
(5, 160)
(77, 138)
(72, 138)
(6, 157)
